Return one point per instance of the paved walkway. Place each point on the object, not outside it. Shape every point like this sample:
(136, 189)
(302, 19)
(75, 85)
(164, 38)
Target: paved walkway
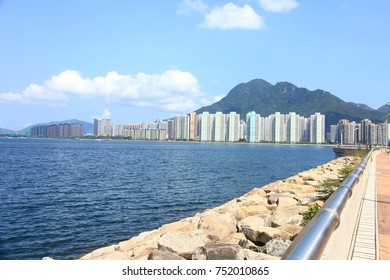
(365, 246)
(372, 240)
(383, 204)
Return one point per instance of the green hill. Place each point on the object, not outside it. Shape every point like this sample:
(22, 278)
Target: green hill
(264, 98)
(384, 109)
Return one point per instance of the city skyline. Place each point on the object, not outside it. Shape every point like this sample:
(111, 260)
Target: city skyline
(219, 127)
(71, 58)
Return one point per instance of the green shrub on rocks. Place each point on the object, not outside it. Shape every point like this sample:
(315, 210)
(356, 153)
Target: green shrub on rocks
(310, 213)
(346, 171)
(326, 189)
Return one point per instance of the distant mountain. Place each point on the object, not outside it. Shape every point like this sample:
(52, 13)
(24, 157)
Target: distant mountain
(87, 127)
(384, 109)
(264, 98)
(6, 131)
(363, 106)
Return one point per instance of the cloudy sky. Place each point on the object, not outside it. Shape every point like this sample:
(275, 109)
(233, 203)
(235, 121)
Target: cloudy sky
(142, 60)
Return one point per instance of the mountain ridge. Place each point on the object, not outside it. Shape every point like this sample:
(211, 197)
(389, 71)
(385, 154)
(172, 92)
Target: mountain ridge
(264, 98)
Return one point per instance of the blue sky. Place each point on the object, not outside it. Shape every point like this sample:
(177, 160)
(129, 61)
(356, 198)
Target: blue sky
(142, 60)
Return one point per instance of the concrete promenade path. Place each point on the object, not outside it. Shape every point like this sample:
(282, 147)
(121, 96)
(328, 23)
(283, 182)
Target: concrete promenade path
(383, 204)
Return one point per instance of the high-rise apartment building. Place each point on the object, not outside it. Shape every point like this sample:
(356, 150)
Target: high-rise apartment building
(233, 127)
(293, 128)
(102, 126)
(193, 126)
(181, 127)
(252, 127)
(317, 128)
(219, 131)
(243, 128)
(206, 127)
(58, 130)
(278, 126)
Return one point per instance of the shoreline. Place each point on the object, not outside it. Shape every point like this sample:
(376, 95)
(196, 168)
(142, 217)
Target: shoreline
(175, 141)
(259, 225)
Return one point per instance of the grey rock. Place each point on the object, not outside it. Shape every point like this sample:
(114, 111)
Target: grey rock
(247, 244)
(219, 252)
(277, 247)
(264, 234)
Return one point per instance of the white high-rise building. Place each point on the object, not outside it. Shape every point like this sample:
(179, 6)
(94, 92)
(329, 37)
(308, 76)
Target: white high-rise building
(116, 130)
(219, 134)
(182, 127)
(243, 129)
(252, 127)
(233, 127)
(268, 134)
(292, 128)
(278, 128)
(102, 126)
(107, 127)
(206, 127)
(317, 128)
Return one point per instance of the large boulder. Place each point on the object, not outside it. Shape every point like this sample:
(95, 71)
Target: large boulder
(286, 202)
(218, 227)
(293, 230)
(247, 244)
(180, 226)
(140, 240)
(286, 216)
(254, 210)
(277, 247)
(237, 213)
(250, 200)
(252, 221)
(219, 252)
(182, 244)
(256, 191)
(262, 235)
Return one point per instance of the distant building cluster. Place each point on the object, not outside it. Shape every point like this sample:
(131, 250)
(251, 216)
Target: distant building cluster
(347, 132)
(219, 127)
(57, 130)
(156, 130)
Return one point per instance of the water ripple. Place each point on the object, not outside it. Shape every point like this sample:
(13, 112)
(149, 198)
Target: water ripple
(64, 198)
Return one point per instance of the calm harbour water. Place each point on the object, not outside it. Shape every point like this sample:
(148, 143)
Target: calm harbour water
(65, 198)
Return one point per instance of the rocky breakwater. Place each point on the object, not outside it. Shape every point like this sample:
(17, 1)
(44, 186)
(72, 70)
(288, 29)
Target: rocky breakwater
(260, 225)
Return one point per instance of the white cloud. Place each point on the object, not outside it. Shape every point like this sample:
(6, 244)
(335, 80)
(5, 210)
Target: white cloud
(231, 16)
(187, 7)
(278, 5)
(107, 113)
(218, 97)
(173, 90)
(205, 102)
(11, 97)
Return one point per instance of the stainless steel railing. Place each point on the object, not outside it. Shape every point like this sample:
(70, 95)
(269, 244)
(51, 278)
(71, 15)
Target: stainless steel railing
(311, 241)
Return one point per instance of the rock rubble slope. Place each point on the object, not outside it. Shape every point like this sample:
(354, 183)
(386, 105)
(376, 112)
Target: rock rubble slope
(260, 225)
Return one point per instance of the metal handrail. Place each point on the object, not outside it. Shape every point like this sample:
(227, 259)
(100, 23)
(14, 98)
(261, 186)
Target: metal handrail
(311, 241)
